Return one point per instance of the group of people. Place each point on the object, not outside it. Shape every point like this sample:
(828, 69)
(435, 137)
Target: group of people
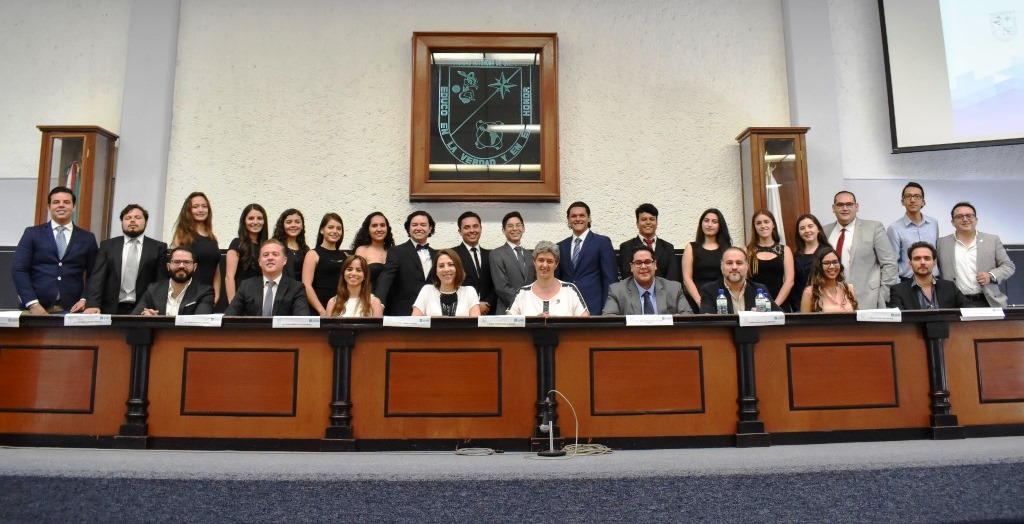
(849, 264)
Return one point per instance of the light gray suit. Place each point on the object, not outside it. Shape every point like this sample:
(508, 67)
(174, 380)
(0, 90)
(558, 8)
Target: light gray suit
(624, 299)
(992, 258)
(872, 269)
(509, 275)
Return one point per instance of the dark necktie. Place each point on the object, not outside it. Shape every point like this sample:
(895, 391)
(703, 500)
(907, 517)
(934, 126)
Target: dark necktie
(576, 252)
(476, 261)
(650, 243)
(521, 257)
(648, 307)
(268, 299)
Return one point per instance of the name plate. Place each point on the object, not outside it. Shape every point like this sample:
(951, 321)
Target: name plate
(982, 313)
(409, 322)
(10, 319)
(296, 322)
(502, 321)
(81, 319)
(648, 320)
(757, 318)
(880, 315)
(198, 320)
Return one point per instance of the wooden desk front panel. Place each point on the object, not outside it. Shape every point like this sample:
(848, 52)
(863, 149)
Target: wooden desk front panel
(985, 372)
(647, 382)
(234, 383)
(842, 377)
(63, 381)
(441, 384)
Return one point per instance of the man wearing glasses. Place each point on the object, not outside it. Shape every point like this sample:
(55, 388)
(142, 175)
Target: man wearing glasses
(645, 293)
(976, 261)
(178, 295)
(911, 228)
(865, 251)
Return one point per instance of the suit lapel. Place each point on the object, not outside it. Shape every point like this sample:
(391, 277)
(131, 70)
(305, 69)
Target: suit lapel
(659, 295)
(118, 254)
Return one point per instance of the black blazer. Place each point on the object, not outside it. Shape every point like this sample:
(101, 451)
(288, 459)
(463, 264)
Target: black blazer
(709, 295)
(105, 281)
(289, 301)
(480, 280)
(904, 296)
(198, 299)
(402, 278)
(670, 266)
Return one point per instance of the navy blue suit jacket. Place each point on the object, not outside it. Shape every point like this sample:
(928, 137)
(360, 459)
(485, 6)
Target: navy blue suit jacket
(40, 275)
(597, 269)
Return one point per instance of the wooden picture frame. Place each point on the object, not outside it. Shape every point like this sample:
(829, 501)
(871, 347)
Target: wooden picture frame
(492, 138)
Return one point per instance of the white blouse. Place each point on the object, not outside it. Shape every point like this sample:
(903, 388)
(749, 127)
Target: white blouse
(429, 301)
(568, 302)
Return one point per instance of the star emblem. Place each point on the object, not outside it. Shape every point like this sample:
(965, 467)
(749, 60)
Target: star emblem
(502, 85)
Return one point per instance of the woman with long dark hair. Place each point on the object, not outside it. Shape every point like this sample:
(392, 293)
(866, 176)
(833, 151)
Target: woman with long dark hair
(243, 253)
(809, 240)
(703, 258)
(769, 261)
(372, 242)
(828, 291)
(353, 298)
(447, 296)
(290, 230)
(322, 268)
(194, 229)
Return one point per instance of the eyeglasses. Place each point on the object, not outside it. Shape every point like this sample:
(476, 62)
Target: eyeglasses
(968, 216)
(829, 263)
(180, 263)
(844, 205)
(913, 197)
(643, 263)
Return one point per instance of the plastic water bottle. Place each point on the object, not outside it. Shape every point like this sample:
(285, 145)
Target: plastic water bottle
(761, 302)
(722, 303)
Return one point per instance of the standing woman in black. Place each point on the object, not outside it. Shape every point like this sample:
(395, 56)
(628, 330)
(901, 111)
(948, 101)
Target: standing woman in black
(321, 270)
(768, 260)
(290, 230)
(194, 229)
(702, 259)
(243, 253)
(809, 241)
(372, 243)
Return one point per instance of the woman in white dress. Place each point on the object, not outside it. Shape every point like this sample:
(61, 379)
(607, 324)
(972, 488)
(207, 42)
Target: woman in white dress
(548, 296)
(353, 298)
(447, 297)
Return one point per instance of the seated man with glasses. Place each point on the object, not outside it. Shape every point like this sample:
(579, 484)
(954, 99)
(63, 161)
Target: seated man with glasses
(644, 293)
(912, 227)
(178, 295)
(977, 262)
(925, 291)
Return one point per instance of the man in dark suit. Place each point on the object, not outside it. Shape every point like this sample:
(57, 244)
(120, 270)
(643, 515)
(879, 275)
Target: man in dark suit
(669, 265)
(270, 294)
(407, 267)
(925, 291)
(53, 260)
(511, 264)
(588, 259)
(125, 266)
(739, 291)
(645, 293)
(178, 295)
(475, 260)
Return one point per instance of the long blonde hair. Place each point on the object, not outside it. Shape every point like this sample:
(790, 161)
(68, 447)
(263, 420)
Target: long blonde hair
(185, 228)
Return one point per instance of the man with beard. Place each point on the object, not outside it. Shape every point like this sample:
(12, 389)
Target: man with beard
(125, 266)
(739, 291)
(178, 295)
(925, 290)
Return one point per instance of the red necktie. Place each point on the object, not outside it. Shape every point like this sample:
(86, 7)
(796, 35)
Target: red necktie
(650, 243)
(839, 243)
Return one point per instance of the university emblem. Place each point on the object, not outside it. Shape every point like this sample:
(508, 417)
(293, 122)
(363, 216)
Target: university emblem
(1003, 25)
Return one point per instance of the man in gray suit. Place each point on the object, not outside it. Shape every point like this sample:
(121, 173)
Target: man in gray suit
(977, 262)
(645, 293)
(511, 265)
(865, 251)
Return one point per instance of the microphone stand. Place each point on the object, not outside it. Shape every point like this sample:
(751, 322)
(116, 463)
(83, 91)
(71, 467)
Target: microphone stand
(548, 426)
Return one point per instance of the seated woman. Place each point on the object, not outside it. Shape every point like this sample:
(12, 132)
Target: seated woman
(354, 298)
(548, 296)
(447, 297)
(828, 291)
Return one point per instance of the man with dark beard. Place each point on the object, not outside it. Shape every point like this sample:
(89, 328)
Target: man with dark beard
(178, 295)
(125, 266)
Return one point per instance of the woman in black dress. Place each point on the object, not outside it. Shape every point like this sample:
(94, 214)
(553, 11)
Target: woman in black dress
(321, 270)
(769, 261)
(194, 229)
(702, 260)
(290, 230)
(372, 243)
(809, 241)
(243, 254)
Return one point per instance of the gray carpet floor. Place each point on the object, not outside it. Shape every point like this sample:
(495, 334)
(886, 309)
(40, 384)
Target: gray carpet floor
(976, 480)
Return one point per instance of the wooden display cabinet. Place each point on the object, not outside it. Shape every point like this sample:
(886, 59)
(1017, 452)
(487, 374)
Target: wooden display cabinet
(82, 158)
(773, 167)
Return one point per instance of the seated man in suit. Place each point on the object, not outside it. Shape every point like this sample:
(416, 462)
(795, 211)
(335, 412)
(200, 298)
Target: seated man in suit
(475, 260)
(588, 259)
(925, 291)
(669, 265)
(739, 291)
(976, 262)
(270, 294)
(53, 260)
(407, 267)
(511, 265)
(645, 293)
(178, 295)
(125, 266)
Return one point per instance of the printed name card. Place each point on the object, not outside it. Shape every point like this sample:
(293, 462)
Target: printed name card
(648, 320)
(296, 322)
(10, 319)
(757, 318)
(879, 315)
(982, 313)
(502, 321)
(81, 319)
(198, 320)
(409, 322)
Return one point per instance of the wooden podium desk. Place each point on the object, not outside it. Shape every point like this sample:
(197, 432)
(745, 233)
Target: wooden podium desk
(353, 384)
